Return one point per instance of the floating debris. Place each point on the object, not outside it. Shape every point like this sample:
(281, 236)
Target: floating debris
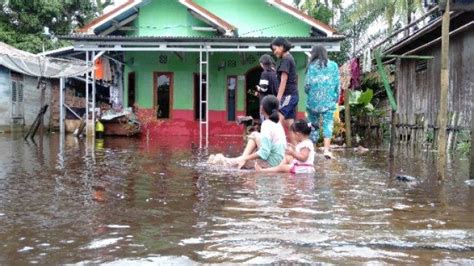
(406, 178)
(470, 182)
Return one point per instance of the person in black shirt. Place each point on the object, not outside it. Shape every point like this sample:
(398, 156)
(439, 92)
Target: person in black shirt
(288, 89)
(268, 84)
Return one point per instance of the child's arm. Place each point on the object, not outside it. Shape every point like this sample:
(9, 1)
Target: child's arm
(301, 156)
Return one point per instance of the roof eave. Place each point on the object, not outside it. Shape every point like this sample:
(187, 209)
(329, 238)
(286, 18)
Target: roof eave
(329, 31)
(90, 27)
(210, 18)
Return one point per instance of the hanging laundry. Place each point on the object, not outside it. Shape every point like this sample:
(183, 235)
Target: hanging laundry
(345, 78)
(99, 69)
(367, 61)
(107, 70)
(355, 73)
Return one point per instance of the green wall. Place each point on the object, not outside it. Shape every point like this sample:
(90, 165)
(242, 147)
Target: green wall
(166, 18)
(256, 18)
(145, 63)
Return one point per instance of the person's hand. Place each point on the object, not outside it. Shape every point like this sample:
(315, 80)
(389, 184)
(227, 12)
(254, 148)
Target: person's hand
(279, 98)
(240, 163)
(290, 150)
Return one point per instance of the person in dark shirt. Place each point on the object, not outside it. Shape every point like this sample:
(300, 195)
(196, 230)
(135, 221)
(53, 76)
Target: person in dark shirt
(268, 84)
(288, 89)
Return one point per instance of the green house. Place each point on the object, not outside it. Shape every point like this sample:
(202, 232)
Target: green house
(194, 63)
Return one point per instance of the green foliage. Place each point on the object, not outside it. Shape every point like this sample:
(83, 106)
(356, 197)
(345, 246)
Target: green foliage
(463, 145)
(22, 21)
(343, 55)
(389, 10)
(322, 13)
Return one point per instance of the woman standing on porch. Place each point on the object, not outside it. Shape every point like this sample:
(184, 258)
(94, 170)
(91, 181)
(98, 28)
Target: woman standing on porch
(322, 87)
(287, 93)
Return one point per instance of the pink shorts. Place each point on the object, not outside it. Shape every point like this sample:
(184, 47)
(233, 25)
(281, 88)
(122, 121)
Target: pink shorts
(302, 168)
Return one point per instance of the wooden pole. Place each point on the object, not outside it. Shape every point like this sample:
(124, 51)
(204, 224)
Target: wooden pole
(347, 117)
(471, 176)
(393, 129)
(444, 88)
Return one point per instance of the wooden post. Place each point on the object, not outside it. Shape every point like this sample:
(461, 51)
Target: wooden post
(471, 176)
(347, 117)
(393, 126)
(444, 88)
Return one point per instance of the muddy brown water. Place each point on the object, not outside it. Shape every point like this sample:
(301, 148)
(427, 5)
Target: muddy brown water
(123, 201)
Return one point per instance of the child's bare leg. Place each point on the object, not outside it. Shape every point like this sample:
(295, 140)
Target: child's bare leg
(281, 168)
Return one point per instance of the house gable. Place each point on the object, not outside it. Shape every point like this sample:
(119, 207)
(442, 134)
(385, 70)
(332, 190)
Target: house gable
(201, 18)
(257, 18)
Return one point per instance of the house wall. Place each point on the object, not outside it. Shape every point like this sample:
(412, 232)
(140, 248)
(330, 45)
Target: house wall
(4, 98)
(32, 102)
(146, 63)
(31, 99)
(418, 92)
(155, 19)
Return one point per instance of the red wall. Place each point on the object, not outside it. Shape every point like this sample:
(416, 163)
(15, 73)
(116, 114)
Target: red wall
(182, 123)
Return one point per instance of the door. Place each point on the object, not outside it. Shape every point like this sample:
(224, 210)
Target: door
(17, 99)
(196, 96)
(231, 97)
(163, 91)
(131, 89)
(252, 103)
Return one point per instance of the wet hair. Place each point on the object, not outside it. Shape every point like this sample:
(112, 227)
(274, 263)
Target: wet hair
(302, 126)
(280, 41)
(267, 61)
(319, 54)
(270, 107)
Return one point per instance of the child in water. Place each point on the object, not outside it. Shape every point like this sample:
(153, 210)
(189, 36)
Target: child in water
(300, 160)
(266, 146)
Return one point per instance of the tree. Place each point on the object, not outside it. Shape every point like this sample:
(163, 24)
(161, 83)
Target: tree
(387, 9)
(321, 10)
(22, 22)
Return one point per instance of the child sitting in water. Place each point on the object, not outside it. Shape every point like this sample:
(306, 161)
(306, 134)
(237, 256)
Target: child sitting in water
(300, 160)
(267, 146)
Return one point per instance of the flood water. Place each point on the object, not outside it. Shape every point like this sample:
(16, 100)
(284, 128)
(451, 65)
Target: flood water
(123, 201)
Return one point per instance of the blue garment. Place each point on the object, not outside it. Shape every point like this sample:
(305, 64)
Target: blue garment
(289, 106)
(328, 124)
(322, 86)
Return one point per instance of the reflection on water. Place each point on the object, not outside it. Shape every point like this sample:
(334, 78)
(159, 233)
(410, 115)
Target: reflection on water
(121, 201)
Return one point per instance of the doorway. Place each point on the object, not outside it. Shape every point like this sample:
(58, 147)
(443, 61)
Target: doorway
(196, 96)
(131, 89)
(252, 78)
(163, 91)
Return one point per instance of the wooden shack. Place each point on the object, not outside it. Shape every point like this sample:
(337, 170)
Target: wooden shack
(418, 81)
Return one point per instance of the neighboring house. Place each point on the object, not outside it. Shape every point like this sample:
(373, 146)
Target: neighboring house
(20, 98)
(164, 45)
(418, 89)
(22, 92)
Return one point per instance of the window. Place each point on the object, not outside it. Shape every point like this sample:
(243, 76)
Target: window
(17, 99)
(421, 66)
(231, 93)
(163, 91)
